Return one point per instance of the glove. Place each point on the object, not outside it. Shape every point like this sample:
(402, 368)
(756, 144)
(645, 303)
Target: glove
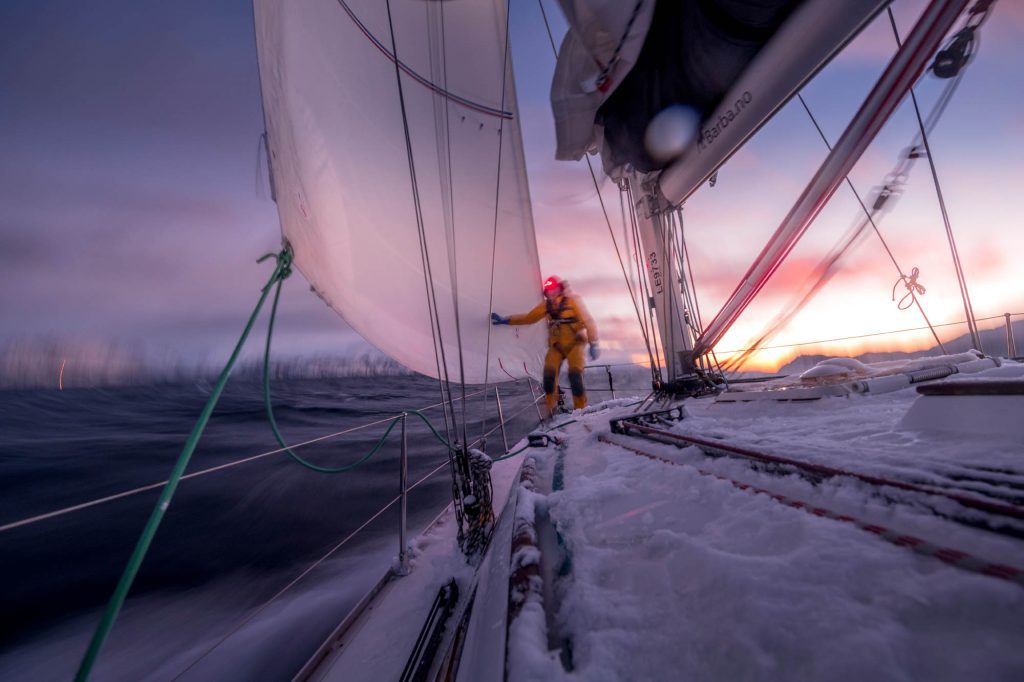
(498, 319)
(594, 351)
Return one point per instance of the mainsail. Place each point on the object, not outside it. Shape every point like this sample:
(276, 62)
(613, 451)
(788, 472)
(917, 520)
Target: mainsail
(419, 289)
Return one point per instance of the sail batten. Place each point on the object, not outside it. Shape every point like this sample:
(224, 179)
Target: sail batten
(342, 174)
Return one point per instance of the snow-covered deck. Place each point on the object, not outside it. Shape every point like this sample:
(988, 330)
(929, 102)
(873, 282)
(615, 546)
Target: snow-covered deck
(679, 574)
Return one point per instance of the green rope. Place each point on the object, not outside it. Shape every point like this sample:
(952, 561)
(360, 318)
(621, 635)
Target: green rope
(438, 436)
(282, 270)
(270, 409)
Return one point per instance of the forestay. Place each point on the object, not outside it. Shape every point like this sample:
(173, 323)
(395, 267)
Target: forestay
(341, 174)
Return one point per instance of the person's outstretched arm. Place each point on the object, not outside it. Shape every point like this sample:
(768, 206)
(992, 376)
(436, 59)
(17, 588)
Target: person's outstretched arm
(535, 315)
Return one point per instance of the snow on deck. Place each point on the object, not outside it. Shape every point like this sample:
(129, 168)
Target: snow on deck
(679, 575)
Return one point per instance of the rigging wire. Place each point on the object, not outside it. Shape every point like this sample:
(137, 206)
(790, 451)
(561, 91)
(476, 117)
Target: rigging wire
(869, 215)
(686, 268)
(983, 9)
(597, 187)
(648, 300)
(497, 199)
(871, 334)
(428, 279)
(450, 229)
(692, 303)
(250, 616)
(210, 470)
(630, 226)
(892, 186)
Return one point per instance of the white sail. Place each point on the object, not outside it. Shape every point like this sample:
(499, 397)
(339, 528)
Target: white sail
(341, 175)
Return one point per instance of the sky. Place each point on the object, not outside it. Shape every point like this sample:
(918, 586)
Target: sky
(133, 202)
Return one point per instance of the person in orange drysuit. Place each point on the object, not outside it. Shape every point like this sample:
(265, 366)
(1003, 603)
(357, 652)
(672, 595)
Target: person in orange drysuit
(570, 328)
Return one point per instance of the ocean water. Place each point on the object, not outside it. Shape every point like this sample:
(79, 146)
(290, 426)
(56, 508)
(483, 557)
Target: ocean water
(230, 541)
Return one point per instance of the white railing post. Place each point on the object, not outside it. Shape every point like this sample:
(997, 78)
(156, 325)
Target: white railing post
(1011, 348)
(501, 418)
(529, 382)
(403, 558)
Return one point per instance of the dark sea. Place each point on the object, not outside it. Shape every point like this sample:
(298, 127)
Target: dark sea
(231, 539)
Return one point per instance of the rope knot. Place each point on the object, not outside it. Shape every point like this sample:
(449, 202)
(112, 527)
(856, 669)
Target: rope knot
(284, 264)
(913, 287)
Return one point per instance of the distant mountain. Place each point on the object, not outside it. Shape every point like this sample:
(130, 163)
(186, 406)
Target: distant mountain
(56, 362)
(325, 367)
(993, 340)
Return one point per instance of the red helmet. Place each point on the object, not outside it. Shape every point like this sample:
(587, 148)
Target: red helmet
(552, 283)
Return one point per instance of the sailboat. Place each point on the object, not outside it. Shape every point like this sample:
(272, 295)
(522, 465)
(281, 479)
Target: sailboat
(631, 541)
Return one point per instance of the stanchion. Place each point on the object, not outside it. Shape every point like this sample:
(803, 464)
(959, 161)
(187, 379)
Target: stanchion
(501, 418)
(403, 558)
(1011, 348)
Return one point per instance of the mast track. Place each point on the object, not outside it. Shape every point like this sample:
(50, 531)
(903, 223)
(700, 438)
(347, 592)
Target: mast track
(1005, 514)
(954, 557)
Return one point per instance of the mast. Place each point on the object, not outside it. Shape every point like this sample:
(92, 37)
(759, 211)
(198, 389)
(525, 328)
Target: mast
(815, 32)
(659, 193)
(666, 281)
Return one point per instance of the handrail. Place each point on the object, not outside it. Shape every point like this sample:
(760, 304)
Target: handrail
(401, 497)
(153, 486)
(238, 626)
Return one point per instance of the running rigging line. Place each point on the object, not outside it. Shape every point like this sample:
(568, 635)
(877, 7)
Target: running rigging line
(966, 37)
(497, 199)
(597, 187)
(870, 334)
(896, 80)
(892, 186)
(448, 200)
(428, 281)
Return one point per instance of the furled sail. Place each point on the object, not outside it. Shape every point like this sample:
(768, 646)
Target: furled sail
(731, 63)
(412, 277)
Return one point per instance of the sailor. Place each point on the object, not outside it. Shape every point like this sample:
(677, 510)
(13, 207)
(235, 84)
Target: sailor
(570, 328)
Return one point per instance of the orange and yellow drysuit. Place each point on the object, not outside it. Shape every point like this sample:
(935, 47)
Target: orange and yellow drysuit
(570, 328)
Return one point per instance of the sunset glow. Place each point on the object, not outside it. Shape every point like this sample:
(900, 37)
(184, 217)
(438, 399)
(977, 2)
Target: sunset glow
(134, 206)
(726, 226)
